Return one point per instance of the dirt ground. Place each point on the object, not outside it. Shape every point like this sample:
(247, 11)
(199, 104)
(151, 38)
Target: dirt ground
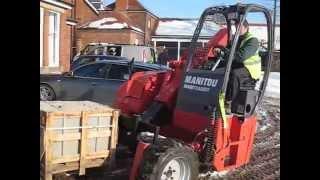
(264, 163)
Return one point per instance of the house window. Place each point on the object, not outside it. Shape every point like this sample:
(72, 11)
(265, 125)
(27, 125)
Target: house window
(41, 36)
(53, 39)
(149, 24)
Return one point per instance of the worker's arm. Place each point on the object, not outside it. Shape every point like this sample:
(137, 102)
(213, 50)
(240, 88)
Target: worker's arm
(247, 50)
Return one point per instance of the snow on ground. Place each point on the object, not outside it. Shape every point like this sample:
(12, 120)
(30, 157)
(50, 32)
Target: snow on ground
(273, 86)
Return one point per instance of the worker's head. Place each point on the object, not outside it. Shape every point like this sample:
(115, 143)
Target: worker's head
(244, 28)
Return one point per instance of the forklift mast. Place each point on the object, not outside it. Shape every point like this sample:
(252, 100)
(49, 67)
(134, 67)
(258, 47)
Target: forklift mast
(235, 13)
(196, 98)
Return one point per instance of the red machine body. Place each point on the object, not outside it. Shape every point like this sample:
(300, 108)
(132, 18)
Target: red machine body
(233, 144)
(135, 95)
(229, 154)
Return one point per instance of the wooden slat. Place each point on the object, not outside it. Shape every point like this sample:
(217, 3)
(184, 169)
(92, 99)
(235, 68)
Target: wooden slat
(84, 143)
(48, 148)
(77, 136)
(114, 138)
(95, 162)
(114, 134)
(71, 166)
(67, 114)
(42, 118)
(98, 155)
(94, 134)
(59, 168)
(102, 114)
(65, 137)
(65, 159)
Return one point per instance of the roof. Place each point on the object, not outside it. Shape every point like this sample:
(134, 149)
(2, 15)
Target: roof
(98, 4)
(132, 5)
(183, 27)
(59, 3)
(91, 6)
(112, 20)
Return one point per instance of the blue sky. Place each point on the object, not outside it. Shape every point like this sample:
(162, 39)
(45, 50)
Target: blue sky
(194, 8)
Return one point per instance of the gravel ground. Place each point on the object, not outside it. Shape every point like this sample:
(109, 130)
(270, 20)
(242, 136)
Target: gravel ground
(264, 163)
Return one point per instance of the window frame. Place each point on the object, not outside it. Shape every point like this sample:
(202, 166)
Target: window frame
(54, 39)
(41, 35)
(92, 64)
(109, 70)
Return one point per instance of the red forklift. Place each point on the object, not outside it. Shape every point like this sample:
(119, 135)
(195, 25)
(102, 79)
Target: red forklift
(176, 121)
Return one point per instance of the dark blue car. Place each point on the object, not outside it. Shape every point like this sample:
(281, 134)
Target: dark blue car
(85, 59)
(96, 81)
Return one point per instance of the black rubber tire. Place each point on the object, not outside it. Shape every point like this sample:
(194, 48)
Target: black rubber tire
(155, 159)
(51, 91)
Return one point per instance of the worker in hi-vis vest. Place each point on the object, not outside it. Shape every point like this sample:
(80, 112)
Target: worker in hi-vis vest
(246, 65)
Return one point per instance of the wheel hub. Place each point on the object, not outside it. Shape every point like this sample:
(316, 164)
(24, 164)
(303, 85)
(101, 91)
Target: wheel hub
(169, 173)
(44, 93)
(176, 169)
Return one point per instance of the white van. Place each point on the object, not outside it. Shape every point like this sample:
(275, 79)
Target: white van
(144, 54)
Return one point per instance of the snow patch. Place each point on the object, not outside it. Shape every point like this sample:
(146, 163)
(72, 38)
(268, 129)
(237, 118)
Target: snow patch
(114, 26)
(213, 174)
(273, 86)
(137, 29)
(264, 127)
(99, 24)
(109, 23)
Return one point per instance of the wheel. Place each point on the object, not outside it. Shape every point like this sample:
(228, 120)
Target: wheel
(46, 93)
(170, 161)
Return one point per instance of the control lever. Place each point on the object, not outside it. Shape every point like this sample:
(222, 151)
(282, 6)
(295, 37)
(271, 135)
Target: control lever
(220, 58)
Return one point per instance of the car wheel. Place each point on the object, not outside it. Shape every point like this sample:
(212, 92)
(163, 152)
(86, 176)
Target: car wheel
(46, 93)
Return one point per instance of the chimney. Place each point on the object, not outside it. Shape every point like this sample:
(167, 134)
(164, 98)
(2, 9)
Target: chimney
(122, 5)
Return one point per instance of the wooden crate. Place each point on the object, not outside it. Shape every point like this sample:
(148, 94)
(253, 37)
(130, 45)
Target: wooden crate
(76, 135)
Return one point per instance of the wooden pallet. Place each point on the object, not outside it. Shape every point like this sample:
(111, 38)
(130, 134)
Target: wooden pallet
(76, 136)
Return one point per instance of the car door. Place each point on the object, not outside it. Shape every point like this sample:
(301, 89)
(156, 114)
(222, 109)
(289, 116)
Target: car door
(81, 85)
(107, 89)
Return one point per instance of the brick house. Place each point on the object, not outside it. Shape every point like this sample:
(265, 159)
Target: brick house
(121, 22)
(58, 19)
(56, 26)
(66, 26)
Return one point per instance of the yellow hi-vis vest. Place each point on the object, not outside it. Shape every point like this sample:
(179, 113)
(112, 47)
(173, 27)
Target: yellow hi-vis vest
(253, 63)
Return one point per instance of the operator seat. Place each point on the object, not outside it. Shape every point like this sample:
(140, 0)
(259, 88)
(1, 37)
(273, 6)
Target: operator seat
(246, 99)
